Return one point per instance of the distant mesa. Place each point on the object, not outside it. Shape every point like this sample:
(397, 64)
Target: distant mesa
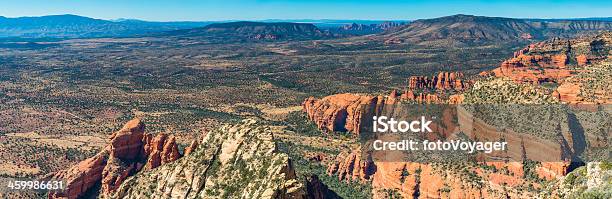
(481, 28)
(463, 27)
(257, 31)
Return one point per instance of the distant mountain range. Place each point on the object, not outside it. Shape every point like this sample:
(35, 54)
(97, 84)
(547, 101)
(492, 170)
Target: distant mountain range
(73, 26)
(575, 19)
(480, 28)
(459, 27)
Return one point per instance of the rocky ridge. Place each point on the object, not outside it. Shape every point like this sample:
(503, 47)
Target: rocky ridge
(351, 167)
(585, 182)
(572, 64)
(469, 28)
(130, 151)
(235, 161)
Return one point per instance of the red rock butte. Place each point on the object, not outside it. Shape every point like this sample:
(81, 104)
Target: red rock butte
(130, 150)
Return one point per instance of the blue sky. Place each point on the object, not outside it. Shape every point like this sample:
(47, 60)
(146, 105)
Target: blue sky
(201, 10)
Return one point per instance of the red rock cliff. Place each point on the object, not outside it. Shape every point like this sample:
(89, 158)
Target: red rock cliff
(339, 112)
(129, 150)
(351, 167)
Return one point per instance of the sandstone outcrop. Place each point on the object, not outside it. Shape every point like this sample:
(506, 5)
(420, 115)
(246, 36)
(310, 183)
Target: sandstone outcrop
(442, 81)
(194, 144)
(559, 60)
(421, 98)
(534, 68)
(340, 112)
(227, 164)
(160, 149)
(351, 167)
(456, 99)
(534, 76)
(129, 150)
(344, 112)
(81, 177)
(427, 98)
(590, 86)
(115, 172)
(582, 60)
(552, 170)
(127, 142)
(420, 180)
(568, 92)
(549, 61)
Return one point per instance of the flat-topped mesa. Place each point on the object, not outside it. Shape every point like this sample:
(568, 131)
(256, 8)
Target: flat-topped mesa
(129, 151)
(524, 60)
(442, 81)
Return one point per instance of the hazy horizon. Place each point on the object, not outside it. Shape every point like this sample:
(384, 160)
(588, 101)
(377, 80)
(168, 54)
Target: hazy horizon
(211, 10)
(294, 20)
